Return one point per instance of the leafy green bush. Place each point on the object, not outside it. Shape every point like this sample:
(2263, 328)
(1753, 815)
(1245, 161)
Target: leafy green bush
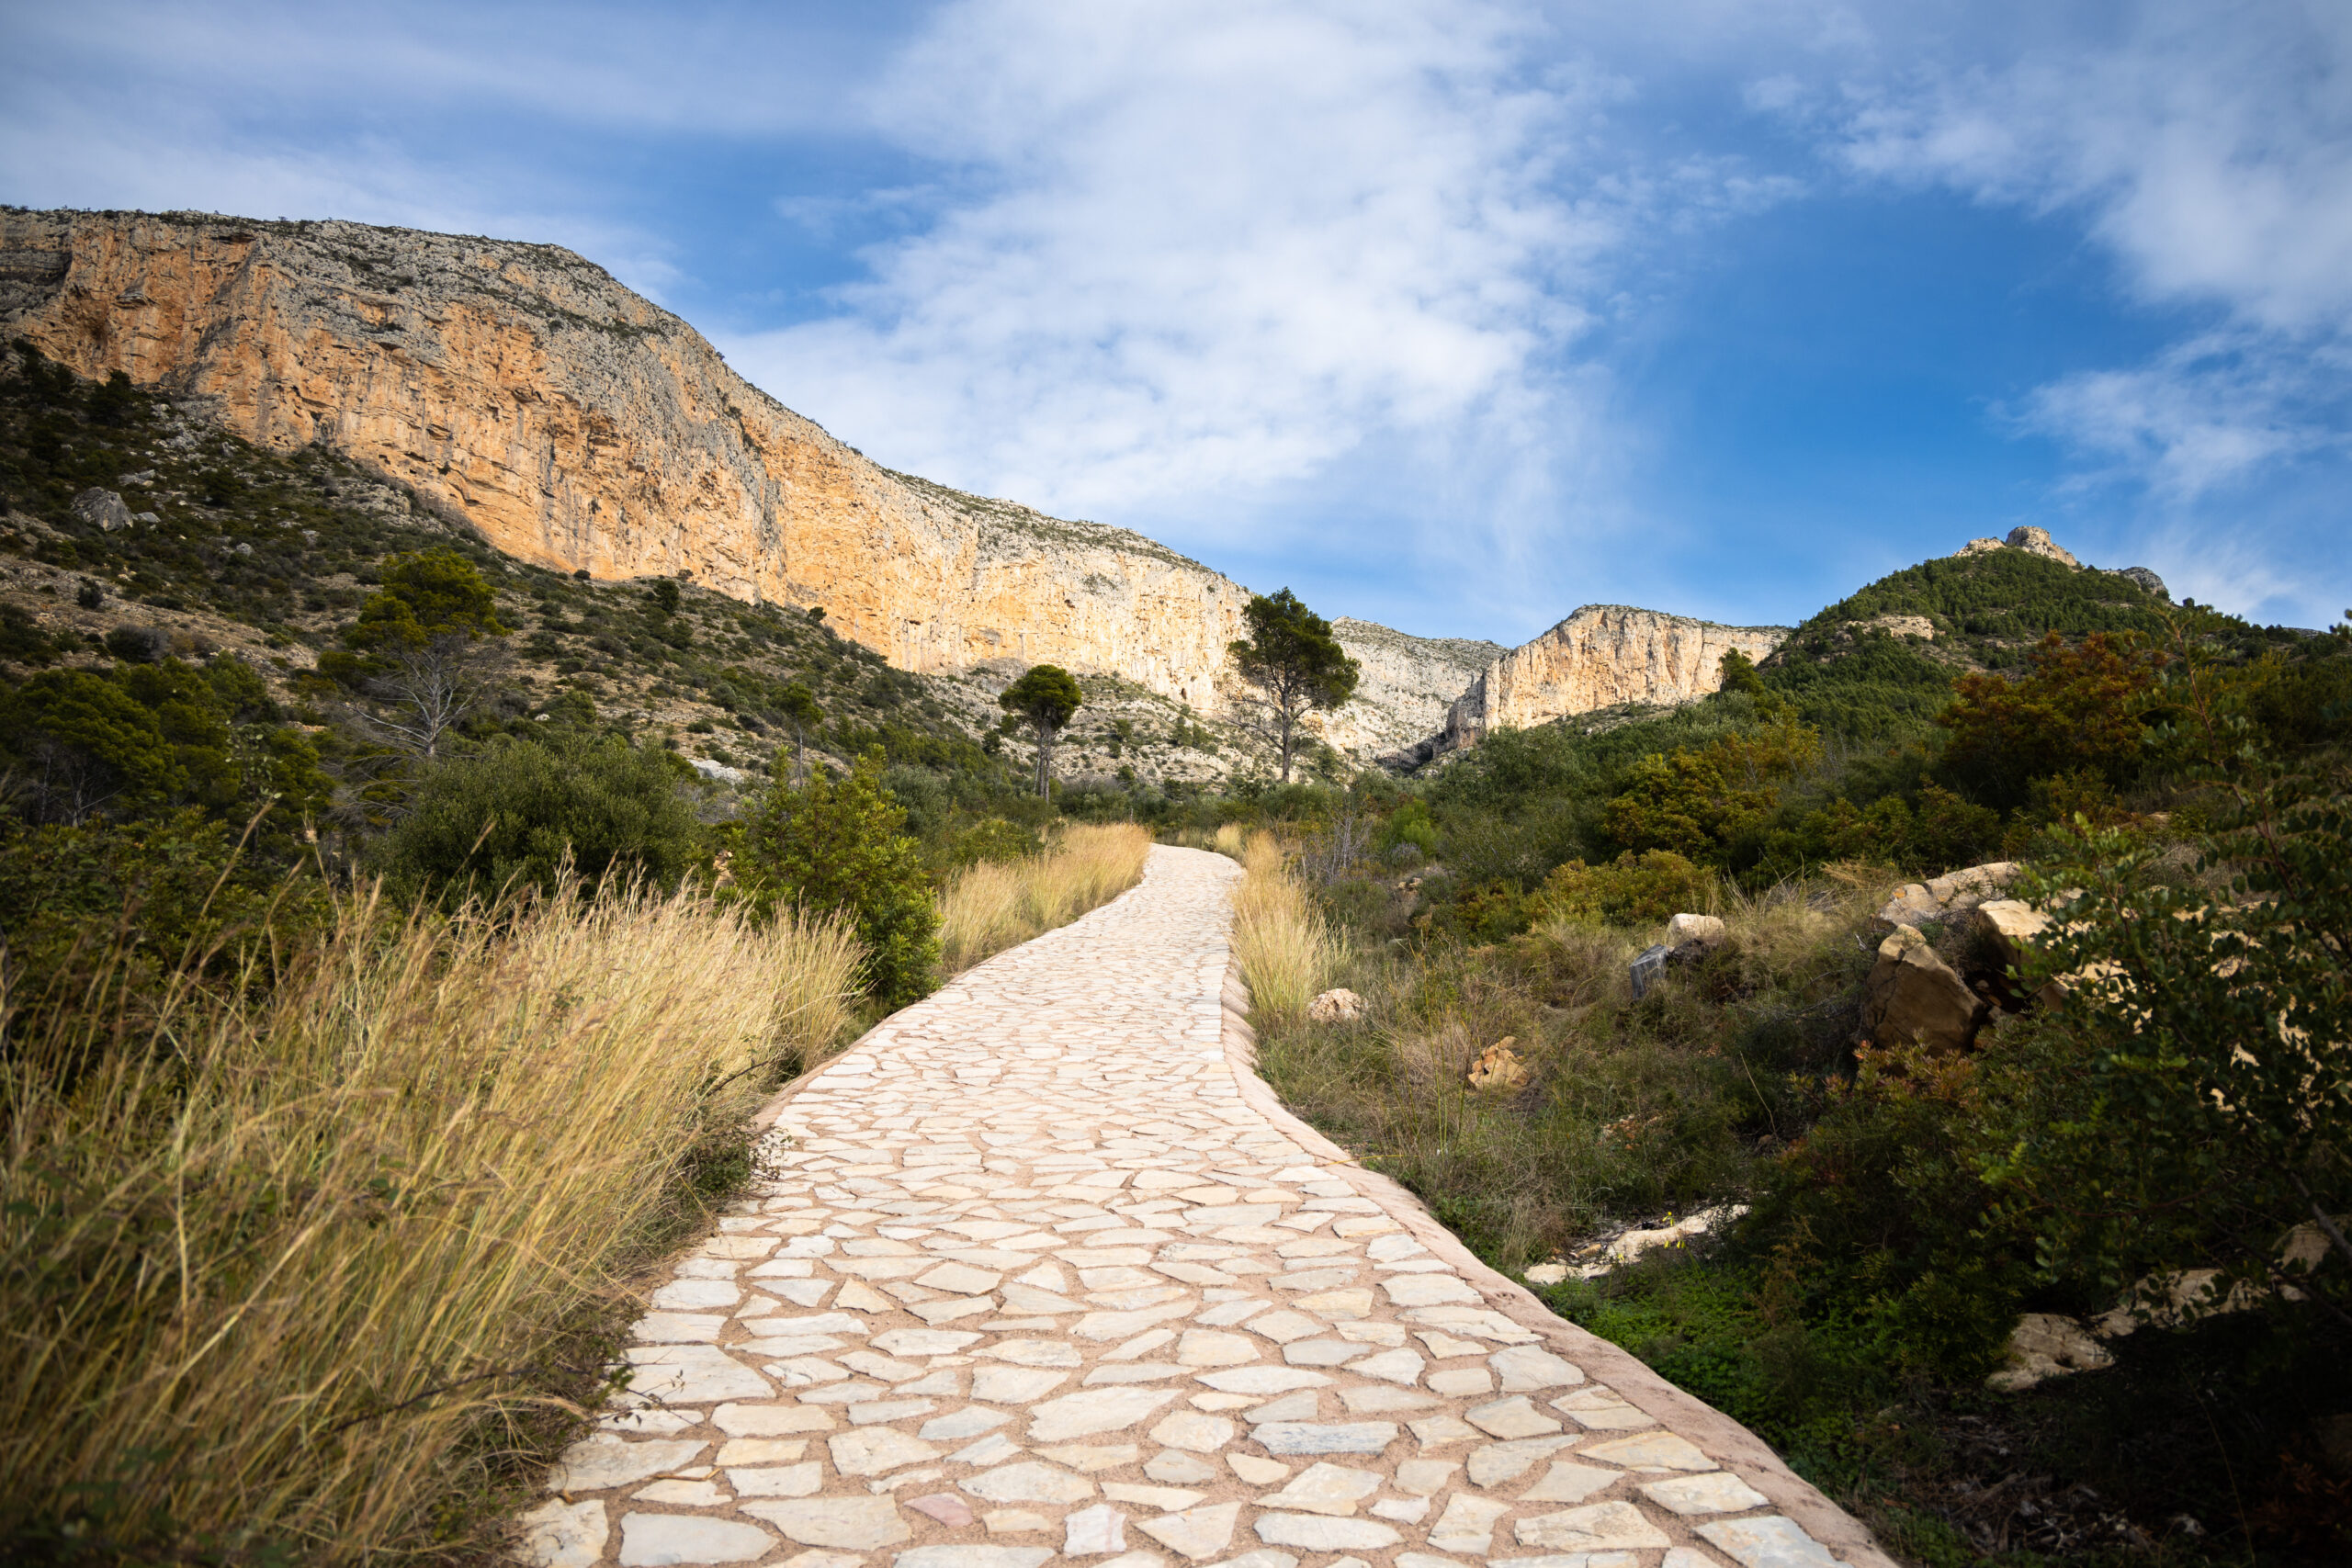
(1704, 802)
(1632, 890)
(837, 844)
(518, 811)
(2082, 708)
(2190, 1102)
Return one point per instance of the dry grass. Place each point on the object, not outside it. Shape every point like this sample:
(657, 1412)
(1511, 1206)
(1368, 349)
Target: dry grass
(289, 1271)
(1632, 1109)
(995, 905)
(1288, 950)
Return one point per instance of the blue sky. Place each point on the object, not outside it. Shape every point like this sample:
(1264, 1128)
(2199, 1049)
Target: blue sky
(1449, 314)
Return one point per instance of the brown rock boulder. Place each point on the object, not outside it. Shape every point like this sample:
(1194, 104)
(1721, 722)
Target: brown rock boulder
(1499, 1067)
(2014, 926)
(1913, 995)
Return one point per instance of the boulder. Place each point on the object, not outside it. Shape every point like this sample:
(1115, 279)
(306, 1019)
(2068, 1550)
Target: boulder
(1913, 995)
(1952, 894)
(2147, 580)
(2044, 1346)
(2013, 926)
(103, 508)
(1911, 906)
(1499, 1067)
(1645, 969)
(1337, 1006)
(1707, 931)
(1961, 890)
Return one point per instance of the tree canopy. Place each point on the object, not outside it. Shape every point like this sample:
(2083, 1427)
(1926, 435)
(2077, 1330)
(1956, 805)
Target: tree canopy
(1296, 663)
(1048, 697)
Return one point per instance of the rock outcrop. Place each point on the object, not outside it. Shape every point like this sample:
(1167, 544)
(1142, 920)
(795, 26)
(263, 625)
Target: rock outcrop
(579, 426)
(1603, 655)
(2037, 542)
(1406, 685)
(1913, 996)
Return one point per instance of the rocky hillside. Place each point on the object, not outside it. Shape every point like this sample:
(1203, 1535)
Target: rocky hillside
(580, 427)
(1604, 656)
(1406, 684)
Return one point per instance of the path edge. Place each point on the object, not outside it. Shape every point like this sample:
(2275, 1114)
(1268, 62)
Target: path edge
(1717, 1436)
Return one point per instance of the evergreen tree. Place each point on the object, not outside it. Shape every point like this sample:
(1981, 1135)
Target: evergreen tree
(1046, 697)
(1297, 665)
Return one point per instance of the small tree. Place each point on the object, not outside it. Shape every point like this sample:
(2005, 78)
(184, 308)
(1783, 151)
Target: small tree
(800, 711)
(832, 845)
(1297, 665)
(426, 646)
(1046, 698)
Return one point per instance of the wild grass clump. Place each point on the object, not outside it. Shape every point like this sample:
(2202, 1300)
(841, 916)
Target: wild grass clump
(1627, 1111)
(993, 905)
(1288, 950)
(313, 1270)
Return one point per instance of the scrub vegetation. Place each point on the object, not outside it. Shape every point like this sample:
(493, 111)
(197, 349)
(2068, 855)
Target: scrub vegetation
(397, 941)
(2173, 781)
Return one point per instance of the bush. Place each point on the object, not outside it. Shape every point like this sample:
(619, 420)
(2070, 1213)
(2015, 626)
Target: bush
(836, 844)
(2190, 1102)
(522, 811)
(2084, 708)
(1634, 890)
(1703, 802)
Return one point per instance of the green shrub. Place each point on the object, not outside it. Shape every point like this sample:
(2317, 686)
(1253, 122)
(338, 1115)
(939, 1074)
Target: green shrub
(2190, 1102)
(521, 810)
(1703, 803)
(990, 838)
(1632, 890)
(83, 745)
(837, 844)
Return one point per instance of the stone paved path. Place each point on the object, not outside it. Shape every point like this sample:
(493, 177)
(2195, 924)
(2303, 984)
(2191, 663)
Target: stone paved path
(1044, 1273)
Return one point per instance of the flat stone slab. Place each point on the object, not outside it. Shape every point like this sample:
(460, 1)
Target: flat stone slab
(1035, 1272)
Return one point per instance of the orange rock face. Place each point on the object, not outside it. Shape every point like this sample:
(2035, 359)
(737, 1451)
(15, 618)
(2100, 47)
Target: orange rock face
(579, 426)
(1599, 656)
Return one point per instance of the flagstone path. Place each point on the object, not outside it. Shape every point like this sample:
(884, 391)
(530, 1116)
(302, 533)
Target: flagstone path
(1040, 1271)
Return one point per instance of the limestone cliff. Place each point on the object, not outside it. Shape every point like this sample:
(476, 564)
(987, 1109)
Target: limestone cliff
(579, 426)
(1601, 656)
(1406, 686)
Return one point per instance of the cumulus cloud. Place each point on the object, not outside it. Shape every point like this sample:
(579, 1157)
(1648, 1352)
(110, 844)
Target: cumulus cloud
(1198, 253)
(2210, 151)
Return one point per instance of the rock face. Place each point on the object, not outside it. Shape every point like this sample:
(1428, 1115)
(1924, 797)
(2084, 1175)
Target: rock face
(1406, 685)
(579, 426)
(1599, 656)
(2033, 541)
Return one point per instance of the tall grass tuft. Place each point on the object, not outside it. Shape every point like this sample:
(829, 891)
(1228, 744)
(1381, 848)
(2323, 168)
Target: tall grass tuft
(994, 905)
(292, 1271)
(1288, 950)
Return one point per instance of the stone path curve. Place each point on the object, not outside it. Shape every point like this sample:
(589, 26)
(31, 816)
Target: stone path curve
(1039, 1270)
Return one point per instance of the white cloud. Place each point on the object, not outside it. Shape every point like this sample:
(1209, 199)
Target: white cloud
(1201, 255)
(2209, 148)
(2210, 412)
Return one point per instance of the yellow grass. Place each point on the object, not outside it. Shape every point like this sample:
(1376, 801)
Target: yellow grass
(994, 905)
(1288, 950)
(293, 1271)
